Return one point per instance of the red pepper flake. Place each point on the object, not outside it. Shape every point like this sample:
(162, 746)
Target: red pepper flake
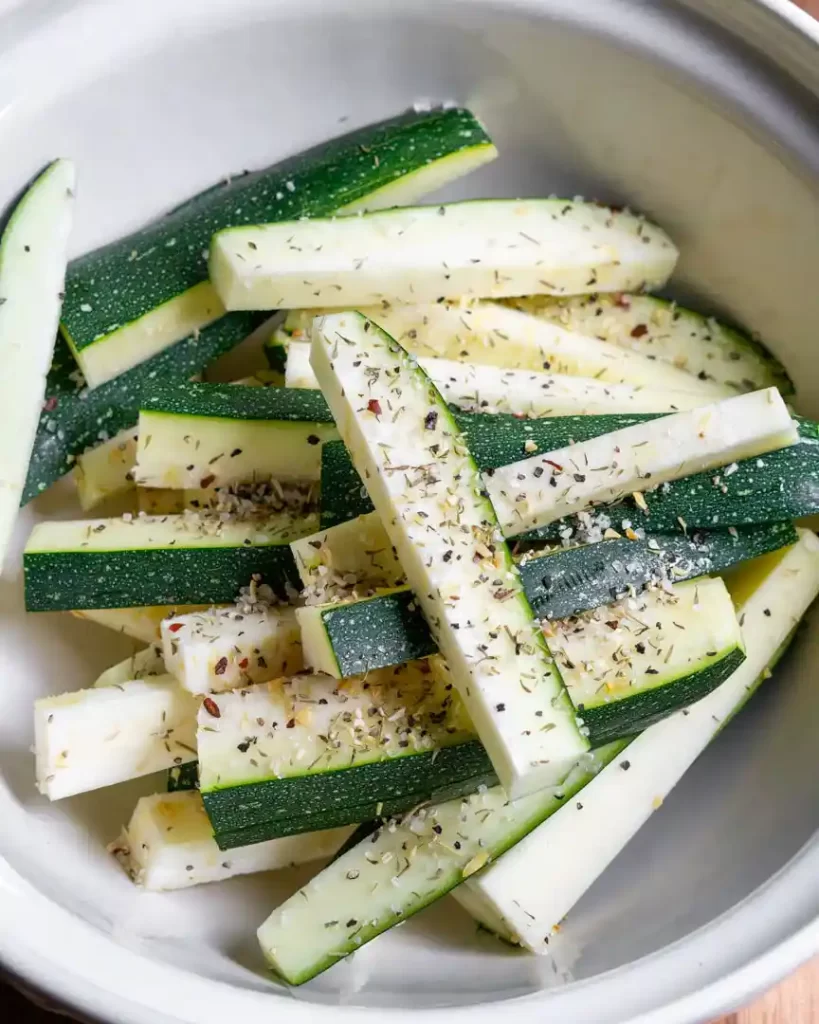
(374, 406)
(244, 663)
(554, 465)
(621, 300)
(175, 627)
(221, 666)
(212, 708)
(291, 724)
(640, 331)
(206, 481)
(50, 404)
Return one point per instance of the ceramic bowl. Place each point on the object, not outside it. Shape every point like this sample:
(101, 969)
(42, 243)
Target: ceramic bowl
(703, 114)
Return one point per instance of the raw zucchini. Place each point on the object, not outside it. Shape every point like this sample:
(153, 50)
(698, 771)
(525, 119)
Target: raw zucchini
(142, 665)
(474, 387)
(169, 844)
(210, 435)
(624, 665)
(428, 491)
(628, 665)
(358, 551)
(579, 842)
(669, 333)
(309, 754)
(404, 867)
(153, 560)
(489, 334)
(780, 486)
(537, 491)
(33, 257)
(106, 470)
(138, 623)
(222, 649)
(108, 734)
(350, 637)
(478, 248)
(135, 297)
(75, 418)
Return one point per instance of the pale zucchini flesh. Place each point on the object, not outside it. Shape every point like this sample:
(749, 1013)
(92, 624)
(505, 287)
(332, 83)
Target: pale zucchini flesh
(475, 387)
(581, 840)
(360, 548)
(168, 844)
(490, 334)
(669, 333)
(428, 491)
(109, 734)
(404, 867)
(145, 664)
(143, 624)
(546, 487)
(213, 435)
(107, 470)
(157, 560)
(478, 248)
(224, 649)
(134, 298)
(33, 258)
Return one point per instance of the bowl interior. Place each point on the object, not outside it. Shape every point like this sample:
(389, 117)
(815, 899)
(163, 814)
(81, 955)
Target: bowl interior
(637, 112)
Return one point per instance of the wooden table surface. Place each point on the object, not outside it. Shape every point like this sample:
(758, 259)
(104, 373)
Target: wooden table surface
(794, 1001)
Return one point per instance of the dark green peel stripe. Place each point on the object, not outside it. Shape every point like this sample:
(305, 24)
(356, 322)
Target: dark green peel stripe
(75, 418)
(575, 580)
(229, 402)
(127, 279)
(389, 629)
(780, 486)
(632, 714)
(346, 796)
(385, 630)
(130, 579)
(351, 815)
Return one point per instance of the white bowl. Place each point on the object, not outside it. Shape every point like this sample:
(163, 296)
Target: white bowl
(704, 117)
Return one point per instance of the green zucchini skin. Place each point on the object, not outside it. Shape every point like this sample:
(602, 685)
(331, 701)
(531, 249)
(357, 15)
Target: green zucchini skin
(631, 715)
(263, 810)
(74, 417)
(578, 579)
(226, 401)
(780, 486)
(58, 581)
(113, 286)
(389, 629)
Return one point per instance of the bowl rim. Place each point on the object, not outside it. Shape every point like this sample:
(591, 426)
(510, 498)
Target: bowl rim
(50, 951)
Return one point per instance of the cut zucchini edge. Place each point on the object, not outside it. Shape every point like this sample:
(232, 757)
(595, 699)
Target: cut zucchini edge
(342, 908)
(474, 248)
(578, 843)
(778, 487)
(499, 712)
(664, 330)
(544, 488)
(478, 387)
(402, 868)
(152, 285)
(33, 259)
(168, 844)
(160, 560)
